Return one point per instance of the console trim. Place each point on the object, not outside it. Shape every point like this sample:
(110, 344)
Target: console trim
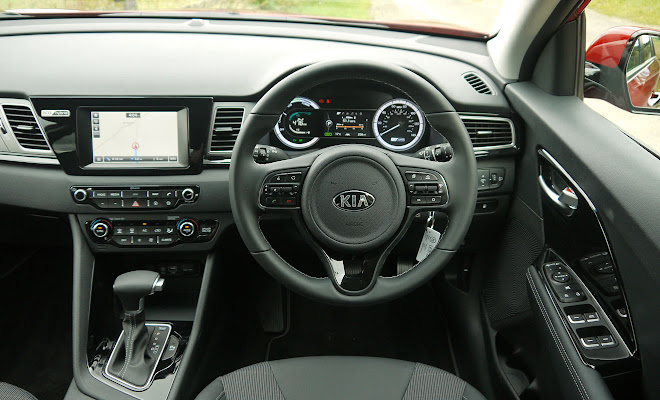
(128, 385)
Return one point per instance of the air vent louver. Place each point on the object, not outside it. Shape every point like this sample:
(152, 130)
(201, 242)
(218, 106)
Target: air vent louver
(226, 126)
(477, 83)
(25, 127)
(487, 132)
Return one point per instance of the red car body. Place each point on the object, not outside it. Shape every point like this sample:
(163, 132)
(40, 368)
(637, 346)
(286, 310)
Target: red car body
(607, 51)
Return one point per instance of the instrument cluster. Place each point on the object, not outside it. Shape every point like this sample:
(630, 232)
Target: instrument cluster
(353, 111)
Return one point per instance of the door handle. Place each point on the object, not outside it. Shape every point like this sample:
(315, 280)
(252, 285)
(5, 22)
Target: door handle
(566, 201)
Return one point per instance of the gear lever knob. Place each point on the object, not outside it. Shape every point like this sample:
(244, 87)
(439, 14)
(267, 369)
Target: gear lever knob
(132, 287)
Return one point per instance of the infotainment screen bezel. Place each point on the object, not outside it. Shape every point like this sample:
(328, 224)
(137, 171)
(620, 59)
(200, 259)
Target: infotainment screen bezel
(71, 143)
(84, 133)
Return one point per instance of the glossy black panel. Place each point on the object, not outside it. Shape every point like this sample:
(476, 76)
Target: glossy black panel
(74, 153)
(577, 237)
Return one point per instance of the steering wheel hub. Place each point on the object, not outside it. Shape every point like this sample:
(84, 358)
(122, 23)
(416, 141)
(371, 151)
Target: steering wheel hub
(354, 199)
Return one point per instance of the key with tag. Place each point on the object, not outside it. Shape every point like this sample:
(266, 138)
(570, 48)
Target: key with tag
(429, 241)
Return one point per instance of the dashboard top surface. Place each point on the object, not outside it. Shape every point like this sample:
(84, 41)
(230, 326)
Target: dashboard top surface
(71, 59)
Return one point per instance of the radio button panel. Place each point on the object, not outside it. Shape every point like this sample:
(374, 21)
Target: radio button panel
(135, 198)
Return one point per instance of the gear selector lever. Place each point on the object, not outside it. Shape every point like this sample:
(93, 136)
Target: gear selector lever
(133, 361)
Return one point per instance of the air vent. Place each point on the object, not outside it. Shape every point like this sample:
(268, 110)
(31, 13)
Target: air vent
(226, 126)
(25, 127)
(477, 83)
(489, 132)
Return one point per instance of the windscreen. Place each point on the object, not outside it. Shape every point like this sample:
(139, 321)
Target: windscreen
(462, 15)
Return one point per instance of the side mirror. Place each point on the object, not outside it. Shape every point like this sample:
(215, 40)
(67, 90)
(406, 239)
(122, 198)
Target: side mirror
(623, 68)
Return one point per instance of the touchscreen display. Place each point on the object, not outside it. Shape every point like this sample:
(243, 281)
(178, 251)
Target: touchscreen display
(137, 138)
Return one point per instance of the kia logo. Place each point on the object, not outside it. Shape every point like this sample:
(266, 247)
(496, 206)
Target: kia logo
(353, 200)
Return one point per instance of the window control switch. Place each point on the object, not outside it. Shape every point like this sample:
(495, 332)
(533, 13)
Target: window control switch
(590, 342)
(606, 341)
(576, 319)
(592, 317)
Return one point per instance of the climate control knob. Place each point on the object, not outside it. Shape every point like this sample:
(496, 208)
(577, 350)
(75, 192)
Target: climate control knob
(101, 228)
(187, 228)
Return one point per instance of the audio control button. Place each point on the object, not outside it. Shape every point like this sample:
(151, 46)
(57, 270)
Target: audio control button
(188, 194)
(80, 195)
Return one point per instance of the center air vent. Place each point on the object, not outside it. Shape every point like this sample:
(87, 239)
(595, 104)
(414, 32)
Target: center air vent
(226, 126)
(25, 127)
(477, 83)
(489, 132)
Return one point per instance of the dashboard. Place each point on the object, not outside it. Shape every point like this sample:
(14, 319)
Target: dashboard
(162, 115)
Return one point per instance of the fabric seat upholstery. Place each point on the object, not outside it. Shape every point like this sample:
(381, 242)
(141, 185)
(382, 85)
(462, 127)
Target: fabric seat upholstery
(346, 378)
(11, 392)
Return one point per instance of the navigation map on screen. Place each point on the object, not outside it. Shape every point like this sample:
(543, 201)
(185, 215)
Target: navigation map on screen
(135, 136)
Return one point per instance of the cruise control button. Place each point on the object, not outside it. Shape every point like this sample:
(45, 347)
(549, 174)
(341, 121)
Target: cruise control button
(417, 199)
(433, 199)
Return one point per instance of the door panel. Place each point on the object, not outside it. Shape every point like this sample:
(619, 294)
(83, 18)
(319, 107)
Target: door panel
(621, 179)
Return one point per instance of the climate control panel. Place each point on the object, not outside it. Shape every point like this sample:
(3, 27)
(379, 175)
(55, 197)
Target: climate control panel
(124, 231)
(135, 197)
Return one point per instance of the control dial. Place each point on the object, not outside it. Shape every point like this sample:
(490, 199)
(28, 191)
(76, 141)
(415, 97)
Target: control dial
(101, 228)
(187, 228)
(188, 194)
(80, 195)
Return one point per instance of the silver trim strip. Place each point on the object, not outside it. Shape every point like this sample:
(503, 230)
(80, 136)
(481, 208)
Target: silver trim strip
(25, 158)
(511, 145)
(128, 385)
(543, 153)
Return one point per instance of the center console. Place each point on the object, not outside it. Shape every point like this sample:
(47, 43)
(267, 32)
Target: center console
(140, 203)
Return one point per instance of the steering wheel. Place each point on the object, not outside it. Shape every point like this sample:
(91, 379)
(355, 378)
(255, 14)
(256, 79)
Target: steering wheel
(352, 201)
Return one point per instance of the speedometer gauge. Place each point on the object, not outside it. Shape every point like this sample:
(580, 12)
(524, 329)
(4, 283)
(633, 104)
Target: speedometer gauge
(399, 124)
(290, 133)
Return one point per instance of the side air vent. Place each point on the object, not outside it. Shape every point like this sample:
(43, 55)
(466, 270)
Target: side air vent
(227, 124)
(489, 132)
(25, 127)
(477, 83)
